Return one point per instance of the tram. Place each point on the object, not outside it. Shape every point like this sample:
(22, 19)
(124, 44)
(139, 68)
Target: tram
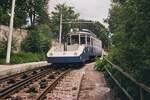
(81, 46)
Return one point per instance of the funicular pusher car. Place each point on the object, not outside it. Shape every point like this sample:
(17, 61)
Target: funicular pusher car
(80, 47)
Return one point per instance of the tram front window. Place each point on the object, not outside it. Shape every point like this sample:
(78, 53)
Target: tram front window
(82, 40)
(68, 40)
(75, 39)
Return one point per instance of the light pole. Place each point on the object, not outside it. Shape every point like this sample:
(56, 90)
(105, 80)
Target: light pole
(10, 32)
(60, 29)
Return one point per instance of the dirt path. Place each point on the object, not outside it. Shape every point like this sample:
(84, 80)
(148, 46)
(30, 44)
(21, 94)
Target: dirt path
(93, 85)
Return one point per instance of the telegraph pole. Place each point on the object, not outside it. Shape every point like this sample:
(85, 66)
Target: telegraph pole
(10, 32)
(60, 29)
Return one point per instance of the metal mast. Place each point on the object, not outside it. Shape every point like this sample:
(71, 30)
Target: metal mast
(10, 33)
(60, 29)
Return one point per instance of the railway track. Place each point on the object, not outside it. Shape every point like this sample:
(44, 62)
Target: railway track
(79, 88)
(51, 86)
(12, 91)
(8, 81)
(62, 84)
(66, 87)
(6, 78)
(6, 92)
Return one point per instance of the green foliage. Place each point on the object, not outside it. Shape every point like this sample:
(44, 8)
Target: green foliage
(20, 13)
(25, 57)
(2, 60)
(38, 40)
(3, 48)
(119, 1)
(100, 64)
(68, 14)
(35, 10)
(131, 36)
(129, 23)
(4, 18)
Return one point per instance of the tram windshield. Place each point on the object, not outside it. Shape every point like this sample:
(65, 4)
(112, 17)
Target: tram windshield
(82, 40)
(74, 39)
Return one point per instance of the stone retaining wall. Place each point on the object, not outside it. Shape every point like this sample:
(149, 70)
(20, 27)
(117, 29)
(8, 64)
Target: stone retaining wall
(18, 36)
(11, 69)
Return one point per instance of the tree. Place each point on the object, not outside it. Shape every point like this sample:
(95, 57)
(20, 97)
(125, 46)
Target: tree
(35, 10)
(20, 14)
(38, 40)
(68, 14)
(129, 22)
(4, 10)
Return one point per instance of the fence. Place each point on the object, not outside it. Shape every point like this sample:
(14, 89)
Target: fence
(140, 85)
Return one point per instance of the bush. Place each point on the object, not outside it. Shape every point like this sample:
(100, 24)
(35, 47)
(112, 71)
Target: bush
(34, 47)
(38, 40)
(100, 64)
(3, 48)
(25, 57)
(2, 60)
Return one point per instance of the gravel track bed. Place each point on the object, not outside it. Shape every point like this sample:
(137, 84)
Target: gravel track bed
(12, 79)
(67, 88)
(22, 93)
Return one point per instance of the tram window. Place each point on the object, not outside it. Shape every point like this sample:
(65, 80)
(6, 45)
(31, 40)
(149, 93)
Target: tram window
(82, 40)
(88, 40)
(75, 39)
(92, 42)
(68, 41)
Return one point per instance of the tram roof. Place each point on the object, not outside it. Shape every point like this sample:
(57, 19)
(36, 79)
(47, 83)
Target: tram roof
(82, 33)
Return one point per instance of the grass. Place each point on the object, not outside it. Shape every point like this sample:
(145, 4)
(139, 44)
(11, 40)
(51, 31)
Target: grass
(24, 57)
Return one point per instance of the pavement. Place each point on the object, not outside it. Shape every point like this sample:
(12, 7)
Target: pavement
(11, 69)
(94, 85)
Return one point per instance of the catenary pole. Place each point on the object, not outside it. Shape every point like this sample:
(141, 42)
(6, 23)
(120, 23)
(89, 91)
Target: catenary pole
(10, 32)
(60, 29)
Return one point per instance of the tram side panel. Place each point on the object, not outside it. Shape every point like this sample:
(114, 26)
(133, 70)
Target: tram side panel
(96, 48)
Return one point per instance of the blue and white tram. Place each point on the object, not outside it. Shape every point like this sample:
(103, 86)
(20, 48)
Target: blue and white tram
(80, 47)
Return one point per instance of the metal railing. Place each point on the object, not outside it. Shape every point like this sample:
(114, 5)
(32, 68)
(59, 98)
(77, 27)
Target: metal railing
(140, 85)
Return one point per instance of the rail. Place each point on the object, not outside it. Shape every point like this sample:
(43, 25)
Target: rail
(19, 74)
(140, 85)
(9, 90)
(49, 88)
(79, 88)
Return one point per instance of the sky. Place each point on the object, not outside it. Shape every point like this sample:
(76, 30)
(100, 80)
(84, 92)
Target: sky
(95, 10)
